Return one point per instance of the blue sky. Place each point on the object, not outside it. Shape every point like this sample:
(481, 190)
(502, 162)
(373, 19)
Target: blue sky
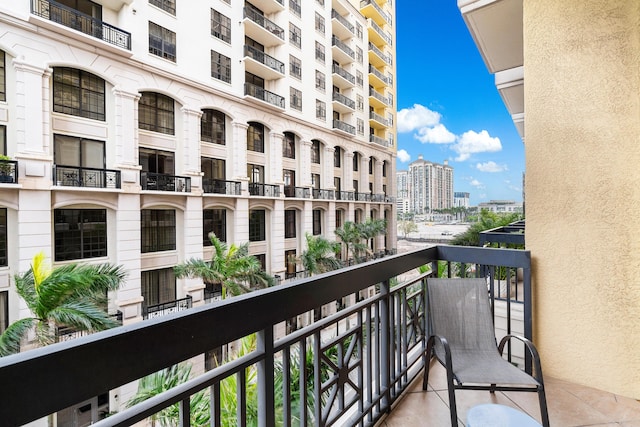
(449, 107)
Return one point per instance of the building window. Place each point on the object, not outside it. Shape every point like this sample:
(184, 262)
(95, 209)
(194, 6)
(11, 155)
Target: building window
(255, 137)
(214, 221)
(290, 260)
(295, 99)
(320, 2)
(257, 225)
(4, 259)
(168, 6)
(213, 168)
(356, 161)
(79, 152)
(359, 55)
(320, 55)
(220, 67)
(315, 151)
(339, 218)
(295, 67)
(315, 180)
(337, 183)
(359, 79)
(337, 157)
(220, 26)
(162, 42)
(156, 113)
(80, 233)
(317, 222)
(77, 93)
(289, 224)
(3, 140)
(262, 259)
(360, 126)
(289, 146)
(4, 311)
(356, 185)
(156, 161)
(295, 35)
(359, 33)
(212, 126)
(321, 110)
(294, 6)
(384, 168)
(3, 77)
(289, 178)
(319, 23)
(255, 173)
(158, 230)
(321, 81)
(158, 286)
(371, 165)
(360, 102)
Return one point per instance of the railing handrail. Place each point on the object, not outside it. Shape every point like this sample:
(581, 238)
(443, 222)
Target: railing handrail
(344, 73)
(264, 22)
(209, 185)
(345, 100)
(264, 58)
(348, 25)
(343, 46)
(30, 373)
(263, 94)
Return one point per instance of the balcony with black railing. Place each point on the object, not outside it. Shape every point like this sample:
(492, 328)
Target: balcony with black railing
(344, 103)
(345, 195)
(363, 197)
(344, 127)
(378, 140)
(76, 20)
(319, 193)
(297, 192)
(343, 47)
(65, 333)
(269, 67)
(262, 29)
(166, 308)
(341, 25)
(76, 176)
(378, 336)
(163, 182)
(8, 171)
(264, 95)
(342, 78)
(220, 186)
(265, 190)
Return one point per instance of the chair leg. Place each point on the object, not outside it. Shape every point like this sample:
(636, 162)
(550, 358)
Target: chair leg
(427, 364)
(544, 412)
(453, 410)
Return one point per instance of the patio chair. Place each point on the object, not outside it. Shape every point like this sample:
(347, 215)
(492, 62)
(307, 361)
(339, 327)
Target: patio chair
(463, 340)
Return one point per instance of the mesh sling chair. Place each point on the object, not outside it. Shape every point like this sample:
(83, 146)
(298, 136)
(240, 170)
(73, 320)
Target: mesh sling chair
(463, 341)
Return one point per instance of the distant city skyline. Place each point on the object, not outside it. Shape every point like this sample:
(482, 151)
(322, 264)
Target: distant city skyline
(448, 105)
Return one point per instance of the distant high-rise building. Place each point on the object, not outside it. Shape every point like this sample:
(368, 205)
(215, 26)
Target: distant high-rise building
(430, 186)
(402, 191)
(461, 199)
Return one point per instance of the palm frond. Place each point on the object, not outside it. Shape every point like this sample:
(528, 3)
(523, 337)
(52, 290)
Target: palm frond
(83, 316)
(12, 336)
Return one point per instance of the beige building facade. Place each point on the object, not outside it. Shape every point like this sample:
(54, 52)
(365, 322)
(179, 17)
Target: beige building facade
(569, 73)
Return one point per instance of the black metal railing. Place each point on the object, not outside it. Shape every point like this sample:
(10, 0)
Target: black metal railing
(298, 192)
(263, 58)
(385, 16)
(344, 21)
(164, 182)
(385, 58)
(373, 70)
(65, 333)
(75, 176)
(266, 190)
(265, 23)
(72, 18)
(344, 74)
(337, 96)
(319, 193)
(8, 171)
(346, 127)
(378, 337)
(220, 186)
(263, 95)
(343, 47)
(297, 275)
(160, 310)
(363, 197)
(345, 195)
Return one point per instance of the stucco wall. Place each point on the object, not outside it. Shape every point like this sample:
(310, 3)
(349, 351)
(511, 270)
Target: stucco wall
(582, 127)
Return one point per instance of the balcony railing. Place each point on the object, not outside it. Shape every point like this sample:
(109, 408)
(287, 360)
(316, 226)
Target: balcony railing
(341, 19)
(337, 96)
(298, 192)
(263, 95)
(163, 182)
(220, 186)
(377, 140)
(263, 58)
(345, 127)
(382, 33)
(75, 176)
(8, 171)
(363, 197)
(71, 18)
(344, 73)
(373, 70)
(319, 193)
(264, 22)
(377, 7)
(266, 190)
(343, 47)
(64, 333)
(160, 310)
(378, 118)
(378, 336)
(378, 96)
(386, 58)
(345, 195)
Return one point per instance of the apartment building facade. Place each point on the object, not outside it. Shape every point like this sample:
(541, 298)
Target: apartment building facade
(430, 186)
(134, 129)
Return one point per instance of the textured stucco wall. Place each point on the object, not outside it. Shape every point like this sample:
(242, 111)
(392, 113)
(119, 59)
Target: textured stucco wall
(582, 127)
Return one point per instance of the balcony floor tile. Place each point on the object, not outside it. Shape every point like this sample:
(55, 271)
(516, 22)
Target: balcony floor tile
(570, 405)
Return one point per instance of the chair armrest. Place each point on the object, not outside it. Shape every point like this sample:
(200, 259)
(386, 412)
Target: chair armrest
(447, 349)
(532, 350)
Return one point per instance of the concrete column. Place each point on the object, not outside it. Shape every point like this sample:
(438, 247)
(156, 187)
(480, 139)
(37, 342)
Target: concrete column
(327, 168)
(275, 249)
(305, 163)
(347, 183)
(274, 158)
(377, 177)
(192, 248)
(126, 137)
(127, 231)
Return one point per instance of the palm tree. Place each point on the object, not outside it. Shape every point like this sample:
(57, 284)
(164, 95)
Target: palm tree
(71, 295)
(231, 267)
(320, 255)
(370, 229)
(351, 236)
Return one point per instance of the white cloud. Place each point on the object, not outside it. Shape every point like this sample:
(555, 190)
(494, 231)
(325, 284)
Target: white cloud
(404, 156)
(435, 135)
(491, 167)
(416, 117)
(472, 142)
(477, 184)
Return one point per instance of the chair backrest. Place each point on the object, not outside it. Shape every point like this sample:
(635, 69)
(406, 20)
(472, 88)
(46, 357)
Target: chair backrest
(459, 311)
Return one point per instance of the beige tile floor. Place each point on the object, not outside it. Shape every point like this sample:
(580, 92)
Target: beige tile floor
(570, 405)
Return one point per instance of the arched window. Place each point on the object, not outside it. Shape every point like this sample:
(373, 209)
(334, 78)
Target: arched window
(212, 126)
(255, 137)
(289, 146)
(315, 151)
(156, 113)
(77, 93)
